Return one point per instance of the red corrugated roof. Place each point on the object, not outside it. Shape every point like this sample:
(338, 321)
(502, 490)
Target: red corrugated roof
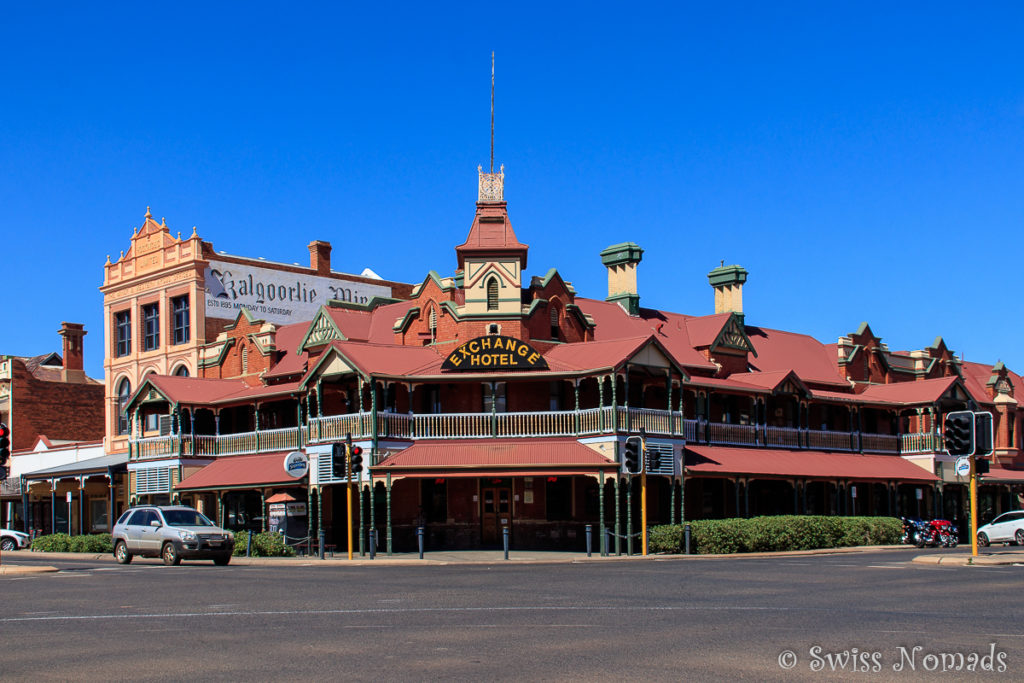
(1002, 475)
(208, 390)
(705, 329)
(613, 323)
(195, 389)
(922, 391)
(354, 324)
(977, 375)
(382, 322)
(812, 361)
(542, 455)
(811, 464)
(391, 359)
(595, 355)
(287, 341)
(240, 470)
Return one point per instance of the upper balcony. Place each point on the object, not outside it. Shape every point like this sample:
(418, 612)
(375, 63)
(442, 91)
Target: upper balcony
(571, 423)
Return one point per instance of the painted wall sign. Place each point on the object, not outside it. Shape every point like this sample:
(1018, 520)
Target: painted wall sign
(277, 296)
(296, 464)
(494, 352)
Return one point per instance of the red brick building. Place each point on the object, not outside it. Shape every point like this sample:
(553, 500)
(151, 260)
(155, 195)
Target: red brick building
(50, 397)
(488, 400)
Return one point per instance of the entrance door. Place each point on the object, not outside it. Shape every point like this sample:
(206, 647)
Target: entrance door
(495, 513)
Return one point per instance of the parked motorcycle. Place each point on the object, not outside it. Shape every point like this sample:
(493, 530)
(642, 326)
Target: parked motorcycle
(938, 533)
(913, 530)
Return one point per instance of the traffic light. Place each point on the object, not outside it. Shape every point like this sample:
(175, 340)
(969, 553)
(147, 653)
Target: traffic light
(631, 459)
(653, 459)
(5, 450)
(357, 459)
(338, 461)
(959, 432)
(982, 434)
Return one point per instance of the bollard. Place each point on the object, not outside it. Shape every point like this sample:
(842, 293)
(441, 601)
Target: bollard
(686, 538)
(504, 534)
(320, 540)
(373, 543)
(588, 540)
(248, 544)
(419, 538)
(607, 541)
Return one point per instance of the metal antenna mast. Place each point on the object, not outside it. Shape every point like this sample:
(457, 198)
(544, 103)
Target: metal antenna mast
(492, 111)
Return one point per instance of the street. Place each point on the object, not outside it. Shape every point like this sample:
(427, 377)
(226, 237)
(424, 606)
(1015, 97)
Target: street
(657, 619)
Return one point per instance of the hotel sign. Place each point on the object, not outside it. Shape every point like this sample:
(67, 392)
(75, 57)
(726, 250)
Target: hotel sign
(494, 352)
(277, 296)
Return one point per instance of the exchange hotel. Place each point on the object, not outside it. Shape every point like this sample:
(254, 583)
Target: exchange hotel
(489, 399)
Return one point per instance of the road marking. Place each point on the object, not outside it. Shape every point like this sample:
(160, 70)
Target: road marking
(408, 610)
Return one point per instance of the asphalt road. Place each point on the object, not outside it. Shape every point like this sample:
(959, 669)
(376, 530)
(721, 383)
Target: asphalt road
(721, 619)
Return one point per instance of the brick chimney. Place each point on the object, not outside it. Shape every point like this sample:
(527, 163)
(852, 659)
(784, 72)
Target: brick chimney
(74, 355)
(727, 282)
(621, 261)
(320, 257)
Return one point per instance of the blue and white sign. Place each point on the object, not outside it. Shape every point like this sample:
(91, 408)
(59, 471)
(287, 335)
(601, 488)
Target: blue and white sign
(963, 466)
(296, 464)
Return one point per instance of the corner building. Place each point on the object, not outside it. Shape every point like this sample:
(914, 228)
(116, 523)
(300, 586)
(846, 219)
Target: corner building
(488, 400)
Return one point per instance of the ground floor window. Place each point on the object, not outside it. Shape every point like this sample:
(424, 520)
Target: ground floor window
(558, 498)
(98, 514)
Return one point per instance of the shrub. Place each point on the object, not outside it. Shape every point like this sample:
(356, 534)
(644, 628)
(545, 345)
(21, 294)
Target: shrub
(264, 544)
(62, 543)
(783, 532)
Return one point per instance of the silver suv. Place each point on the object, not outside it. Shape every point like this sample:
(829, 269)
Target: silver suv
(171, 532)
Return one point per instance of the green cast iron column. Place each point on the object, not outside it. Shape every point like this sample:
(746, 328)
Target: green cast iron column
(600, 508)
(618, 525)
(362, 522)
(389, 512)
(629, 514)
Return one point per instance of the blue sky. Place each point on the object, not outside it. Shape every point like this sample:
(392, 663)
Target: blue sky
(862, 161)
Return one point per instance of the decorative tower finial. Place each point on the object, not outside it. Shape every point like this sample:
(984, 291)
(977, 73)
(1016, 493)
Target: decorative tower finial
(148, 214)
(492, 111)
(492, 185)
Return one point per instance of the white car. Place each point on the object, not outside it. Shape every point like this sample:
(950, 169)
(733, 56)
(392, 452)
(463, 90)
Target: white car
(13, 540)
(1006, 528)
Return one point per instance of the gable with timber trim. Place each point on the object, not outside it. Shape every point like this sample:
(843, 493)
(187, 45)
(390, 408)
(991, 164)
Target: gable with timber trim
(321, 331)
(733, 337)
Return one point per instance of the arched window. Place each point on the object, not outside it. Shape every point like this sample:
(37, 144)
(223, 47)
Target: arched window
(492, 294)
(124, 392)
(433, 325)
(245, 360)
(554, 322)
(182, 371)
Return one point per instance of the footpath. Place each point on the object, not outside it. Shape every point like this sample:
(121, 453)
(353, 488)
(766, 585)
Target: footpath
(10, 564)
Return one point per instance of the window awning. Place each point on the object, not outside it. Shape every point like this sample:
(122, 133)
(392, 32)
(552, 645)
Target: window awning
(496, 458)
(240, 471)
(768, 462)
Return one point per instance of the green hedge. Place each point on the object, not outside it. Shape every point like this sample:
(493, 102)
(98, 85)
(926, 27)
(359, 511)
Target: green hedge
(264, 544)
(62, 543)
(784, 532)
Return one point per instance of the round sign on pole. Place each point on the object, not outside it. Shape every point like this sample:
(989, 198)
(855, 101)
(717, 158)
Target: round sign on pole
(296, 464)
(963, 466)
